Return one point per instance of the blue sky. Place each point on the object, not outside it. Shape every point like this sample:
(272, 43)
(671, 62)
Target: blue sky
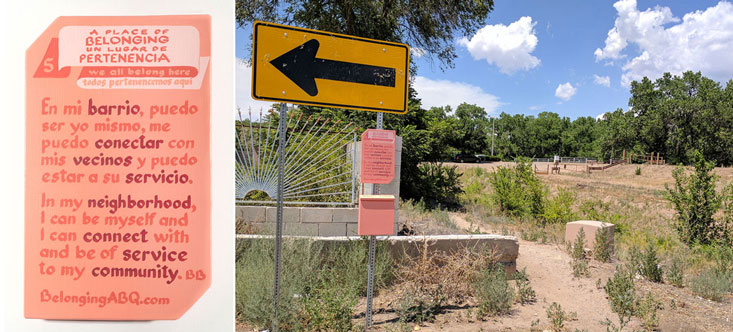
(574, 58)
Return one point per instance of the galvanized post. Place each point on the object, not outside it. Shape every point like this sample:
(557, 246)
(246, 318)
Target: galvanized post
(372, 249)
(353, 170)
(279, 223)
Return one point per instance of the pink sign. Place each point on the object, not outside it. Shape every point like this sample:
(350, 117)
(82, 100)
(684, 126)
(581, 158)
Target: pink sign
(118, 178)
(377, 156)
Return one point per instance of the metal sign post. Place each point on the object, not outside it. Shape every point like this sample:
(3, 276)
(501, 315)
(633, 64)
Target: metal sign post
(372, 249)
(279, 223)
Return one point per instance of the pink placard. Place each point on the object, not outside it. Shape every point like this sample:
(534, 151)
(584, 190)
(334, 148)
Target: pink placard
(377, 156)
(118, 178)
(376, 215)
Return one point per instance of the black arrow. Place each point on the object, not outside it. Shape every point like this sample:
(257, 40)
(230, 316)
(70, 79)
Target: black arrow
(302, 67)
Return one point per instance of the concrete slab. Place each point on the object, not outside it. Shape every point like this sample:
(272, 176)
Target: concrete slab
(590, 227)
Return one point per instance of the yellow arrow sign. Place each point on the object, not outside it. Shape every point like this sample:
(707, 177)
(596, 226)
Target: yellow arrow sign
(311, 67)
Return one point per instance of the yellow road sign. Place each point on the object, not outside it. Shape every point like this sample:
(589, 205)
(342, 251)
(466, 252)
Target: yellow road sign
(302, 66)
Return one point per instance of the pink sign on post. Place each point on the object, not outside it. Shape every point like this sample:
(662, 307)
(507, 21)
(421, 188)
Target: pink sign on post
(376, 215)
(377, 156)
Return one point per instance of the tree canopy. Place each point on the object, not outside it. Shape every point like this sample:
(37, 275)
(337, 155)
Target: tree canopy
(428, 26)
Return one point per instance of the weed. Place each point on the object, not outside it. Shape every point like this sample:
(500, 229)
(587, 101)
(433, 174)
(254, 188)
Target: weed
(650, 268)
(328, 308)
(493, 292)
(633, 261)
(712, 285)
(578, 252)
(419, 305)
(558, 317)
(675, 273)
(621, 295)
(638, 171)
(647, 311)
(602, 245)
(535, 326)
(525, 293)
(579, 263)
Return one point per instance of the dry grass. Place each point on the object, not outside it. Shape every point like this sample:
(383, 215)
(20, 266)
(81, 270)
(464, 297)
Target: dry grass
(449, 274)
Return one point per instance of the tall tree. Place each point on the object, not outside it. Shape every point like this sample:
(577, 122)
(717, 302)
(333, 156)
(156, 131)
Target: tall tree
(429, 26)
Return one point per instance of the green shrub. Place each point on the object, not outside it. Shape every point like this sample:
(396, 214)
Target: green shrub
(621, 295)
(254, 282)
(602, 245)
(493, 292)
(650, 268)
(438, 185)
(525, 293)
(695, 200)
(559, 208)
(638, 170)
(518, 191)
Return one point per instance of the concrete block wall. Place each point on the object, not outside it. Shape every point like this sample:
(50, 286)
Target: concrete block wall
(303, 221)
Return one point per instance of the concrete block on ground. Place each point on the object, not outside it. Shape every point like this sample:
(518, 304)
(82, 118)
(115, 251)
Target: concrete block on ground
(590, 227)
(290, 214)
(252, 213)
(316, 215)
(332, 229)
(299, 229)
(345, 215)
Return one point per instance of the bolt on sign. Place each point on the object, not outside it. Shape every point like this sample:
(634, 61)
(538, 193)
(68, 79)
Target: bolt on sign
(311, 67)
(117, 199)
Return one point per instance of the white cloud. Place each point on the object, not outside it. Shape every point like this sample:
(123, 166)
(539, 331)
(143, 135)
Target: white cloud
(701, 41)
(599, 117)
(243, 88)
(602, 80)
(534, 108)
(508, 47)
(417, 52)
(565, 91)
(436, 93)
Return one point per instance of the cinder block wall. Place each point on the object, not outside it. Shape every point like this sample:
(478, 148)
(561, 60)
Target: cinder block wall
(306, 221)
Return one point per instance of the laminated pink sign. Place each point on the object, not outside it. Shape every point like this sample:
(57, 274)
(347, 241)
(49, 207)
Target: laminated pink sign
(118, 179)
(377, 156)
